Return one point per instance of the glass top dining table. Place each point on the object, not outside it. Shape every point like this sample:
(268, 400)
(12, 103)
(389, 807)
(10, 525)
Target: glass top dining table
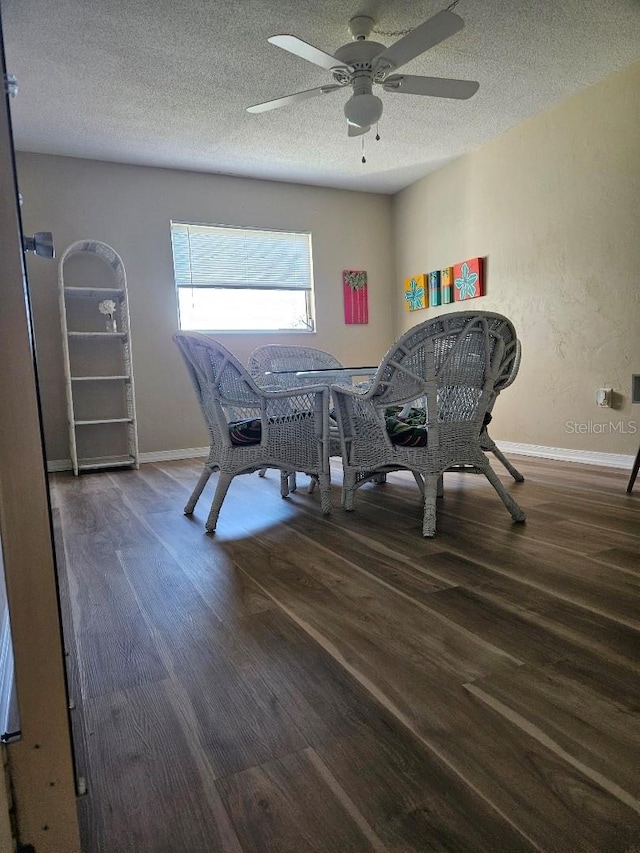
(335, 376)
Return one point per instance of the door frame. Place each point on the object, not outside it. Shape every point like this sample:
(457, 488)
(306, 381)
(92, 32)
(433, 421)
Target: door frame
(40, 763)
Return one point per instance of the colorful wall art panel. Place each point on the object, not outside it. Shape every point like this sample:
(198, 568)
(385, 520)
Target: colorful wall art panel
(434, 287)
(468, 279)
(356, 297)
(446, 285)
(415, 292)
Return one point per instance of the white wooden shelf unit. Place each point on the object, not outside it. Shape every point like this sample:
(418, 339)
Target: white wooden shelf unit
(97, 361)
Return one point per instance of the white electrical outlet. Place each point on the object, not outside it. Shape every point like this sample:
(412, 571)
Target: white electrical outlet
(603, 397)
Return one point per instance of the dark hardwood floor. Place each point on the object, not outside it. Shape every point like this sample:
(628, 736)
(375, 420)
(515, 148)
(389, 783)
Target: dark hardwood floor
(300, 683)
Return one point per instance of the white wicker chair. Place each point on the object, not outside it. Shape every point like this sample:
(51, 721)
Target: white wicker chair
(285, 429)
(452, 364)
(263, 366)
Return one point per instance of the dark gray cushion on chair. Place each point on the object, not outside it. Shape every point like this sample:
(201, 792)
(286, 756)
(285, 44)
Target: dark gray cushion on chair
(245, 432)
(249, 431)
(411, 431)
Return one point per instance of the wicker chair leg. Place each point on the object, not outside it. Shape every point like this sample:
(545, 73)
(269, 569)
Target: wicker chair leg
(440, 489)
(292, 480)
(517, 476)
(488, 444)
(349, 491)
(324, 481)
(418, 478)
(202, 482)
(430, 495)
(284, 484)
(379, 479)
(517, 513)
(634, 471)
(224, 481)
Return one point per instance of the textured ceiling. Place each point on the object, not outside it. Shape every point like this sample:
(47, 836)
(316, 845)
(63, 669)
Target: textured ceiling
(166, 82)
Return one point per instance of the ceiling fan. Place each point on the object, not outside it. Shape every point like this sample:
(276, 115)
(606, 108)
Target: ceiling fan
(361, 63)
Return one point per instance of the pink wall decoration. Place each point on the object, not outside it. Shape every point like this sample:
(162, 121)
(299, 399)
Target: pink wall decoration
(356, 298)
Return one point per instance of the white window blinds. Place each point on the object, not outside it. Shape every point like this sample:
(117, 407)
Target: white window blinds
(216, 256)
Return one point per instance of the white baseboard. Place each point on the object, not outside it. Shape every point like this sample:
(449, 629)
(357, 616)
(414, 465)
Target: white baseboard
(168, 455)
(565, 454)
(55, 465)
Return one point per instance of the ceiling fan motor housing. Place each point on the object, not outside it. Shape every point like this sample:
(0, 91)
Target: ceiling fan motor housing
(360, 53)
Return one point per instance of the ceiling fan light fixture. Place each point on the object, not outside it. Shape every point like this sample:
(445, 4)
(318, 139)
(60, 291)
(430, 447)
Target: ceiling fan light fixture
(363, 109)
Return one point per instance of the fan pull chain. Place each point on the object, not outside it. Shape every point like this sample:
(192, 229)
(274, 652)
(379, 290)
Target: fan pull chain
(396, 33)
(377, 133)
(364, 159)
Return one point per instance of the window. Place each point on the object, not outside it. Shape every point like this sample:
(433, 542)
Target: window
(241, 279)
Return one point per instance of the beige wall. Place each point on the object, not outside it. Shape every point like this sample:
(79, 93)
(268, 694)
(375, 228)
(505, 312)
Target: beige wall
(554, 206)
(130, 207)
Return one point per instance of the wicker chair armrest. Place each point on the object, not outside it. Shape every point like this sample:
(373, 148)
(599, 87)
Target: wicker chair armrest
(353, 406)
(293, 403)
(294, 392)
(355, 390)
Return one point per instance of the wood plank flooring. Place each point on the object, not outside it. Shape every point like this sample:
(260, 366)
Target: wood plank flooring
(300, 683)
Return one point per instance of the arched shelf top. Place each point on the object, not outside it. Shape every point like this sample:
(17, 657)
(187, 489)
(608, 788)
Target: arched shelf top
(99, 250)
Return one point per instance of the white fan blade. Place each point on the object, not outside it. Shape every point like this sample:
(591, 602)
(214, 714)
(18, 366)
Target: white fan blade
(306, 51)
(432, 32)
(436, 87)
(354, 130)
(292, 99)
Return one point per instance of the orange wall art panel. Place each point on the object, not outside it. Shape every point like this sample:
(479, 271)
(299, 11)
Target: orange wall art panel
(468, 279)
